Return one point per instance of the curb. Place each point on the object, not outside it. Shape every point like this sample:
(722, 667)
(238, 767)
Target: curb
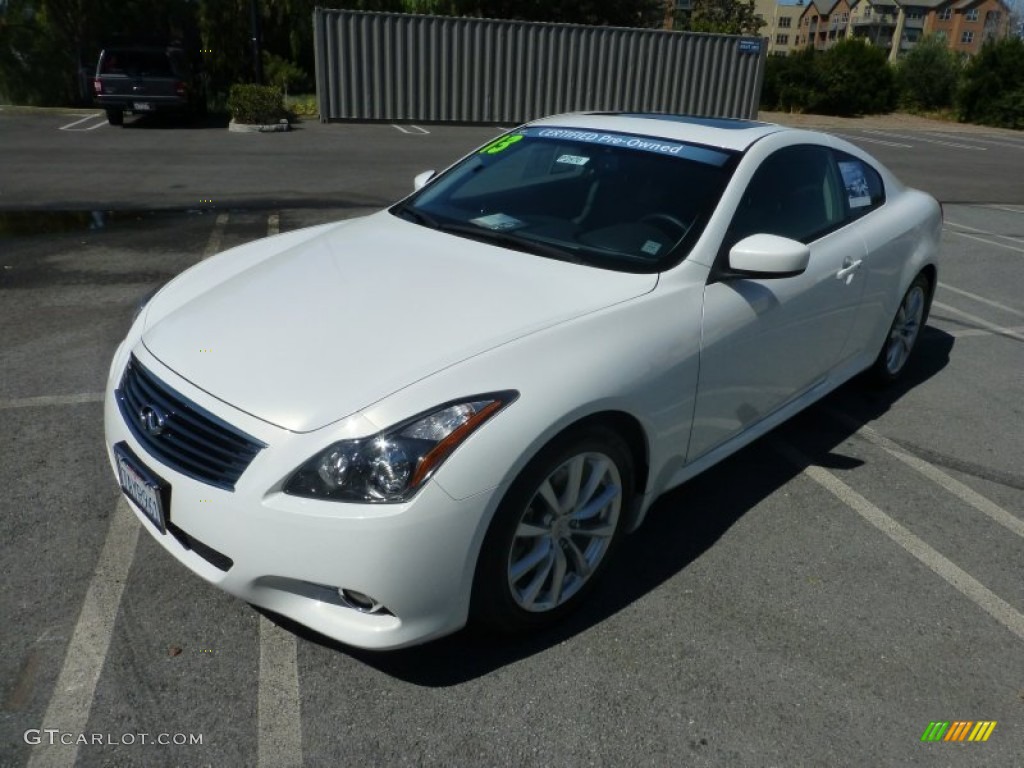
(254, 128)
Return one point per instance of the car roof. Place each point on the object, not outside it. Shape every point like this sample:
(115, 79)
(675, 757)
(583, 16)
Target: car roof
(721, 132)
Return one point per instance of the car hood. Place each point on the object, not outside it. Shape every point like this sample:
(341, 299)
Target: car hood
(325, 327)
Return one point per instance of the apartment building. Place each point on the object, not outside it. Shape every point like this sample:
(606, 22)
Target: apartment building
(781, 24)
(820, 24)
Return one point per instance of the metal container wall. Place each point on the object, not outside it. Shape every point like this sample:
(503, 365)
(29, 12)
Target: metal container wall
(397, 67)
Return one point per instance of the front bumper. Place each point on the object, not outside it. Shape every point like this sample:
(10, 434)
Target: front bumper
(290, 555)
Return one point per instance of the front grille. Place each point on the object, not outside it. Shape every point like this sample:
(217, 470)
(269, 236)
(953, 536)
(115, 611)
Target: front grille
(180, 434)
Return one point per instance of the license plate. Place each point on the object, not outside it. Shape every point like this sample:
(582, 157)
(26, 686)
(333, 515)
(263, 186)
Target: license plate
(148, 491)
(142, 106)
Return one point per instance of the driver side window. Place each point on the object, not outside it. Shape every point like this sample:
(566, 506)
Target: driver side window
(796, 193)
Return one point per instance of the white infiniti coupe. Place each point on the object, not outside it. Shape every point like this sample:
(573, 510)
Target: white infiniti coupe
(453, 409)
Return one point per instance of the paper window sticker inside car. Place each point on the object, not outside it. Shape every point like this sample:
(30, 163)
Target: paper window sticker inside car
(498, 221)
(573, 160)
(856, 184)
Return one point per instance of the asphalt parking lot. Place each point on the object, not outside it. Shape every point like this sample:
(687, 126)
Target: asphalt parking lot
(818, 599)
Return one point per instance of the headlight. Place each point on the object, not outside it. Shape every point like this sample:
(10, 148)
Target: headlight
(392, 465)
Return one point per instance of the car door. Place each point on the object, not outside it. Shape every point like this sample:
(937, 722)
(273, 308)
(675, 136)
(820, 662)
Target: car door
(766, 342)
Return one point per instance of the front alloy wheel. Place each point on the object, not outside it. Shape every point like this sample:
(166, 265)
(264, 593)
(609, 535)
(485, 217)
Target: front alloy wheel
(554, 531)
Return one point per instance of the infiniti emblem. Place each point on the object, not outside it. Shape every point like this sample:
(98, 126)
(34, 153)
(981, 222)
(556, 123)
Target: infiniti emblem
(152, 420)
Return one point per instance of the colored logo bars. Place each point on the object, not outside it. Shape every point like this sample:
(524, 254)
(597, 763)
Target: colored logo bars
(959, 730)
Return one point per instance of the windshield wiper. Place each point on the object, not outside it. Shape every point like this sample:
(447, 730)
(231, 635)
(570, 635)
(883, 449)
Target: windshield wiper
(512, 240)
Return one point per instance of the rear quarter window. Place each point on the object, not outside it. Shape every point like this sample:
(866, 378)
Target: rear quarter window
(863, 187)
(136, 64)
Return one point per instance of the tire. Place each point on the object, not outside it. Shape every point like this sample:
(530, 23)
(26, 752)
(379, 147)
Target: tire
(903, 333)
(541, 558)
(115, 116)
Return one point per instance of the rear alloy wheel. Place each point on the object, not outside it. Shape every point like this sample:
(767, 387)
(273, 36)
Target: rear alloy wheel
(554, 531)
(115, 116)
(904, 332)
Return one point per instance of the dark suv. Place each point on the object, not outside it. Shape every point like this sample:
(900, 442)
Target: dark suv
(145, 79)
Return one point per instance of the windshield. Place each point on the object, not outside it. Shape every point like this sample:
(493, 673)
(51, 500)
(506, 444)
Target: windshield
(610, 200)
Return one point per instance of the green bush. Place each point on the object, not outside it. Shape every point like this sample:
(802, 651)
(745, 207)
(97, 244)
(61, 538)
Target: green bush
(851, 78)
(854, 78)
(993, 85)
(928, 75)
(304, 105)
(790, 81)
(282, 73)
(256, 104)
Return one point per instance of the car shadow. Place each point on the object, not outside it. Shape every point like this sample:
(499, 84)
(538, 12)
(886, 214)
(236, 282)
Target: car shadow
(681, 525)
(158, 122)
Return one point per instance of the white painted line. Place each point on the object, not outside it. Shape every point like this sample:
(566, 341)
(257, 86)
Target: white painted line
(1011, 238)
(73, 694)
(1002, 330)
(983, 141)
(406, 129)
(955, 576)
(213, 244)
(44, 401)
(963, 492)
(873, 141)
(984, 240)
(1008, 208)
(279, 723)
(996, 329)
(70, 126)
(981, 299)
(98, 125)
(273, 224)
(919, 137)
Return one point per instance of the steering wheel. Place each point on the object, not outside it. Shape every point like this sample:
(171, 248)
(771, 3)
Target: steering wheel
(659, 219)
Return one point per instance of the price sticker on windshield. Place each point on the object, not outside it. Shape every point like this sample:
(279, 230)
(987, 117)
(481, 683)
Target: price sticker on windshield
(501, 144)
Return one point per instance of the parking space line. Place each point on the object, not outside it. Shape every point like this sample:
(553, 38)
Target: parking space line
(213, 244)
(996, 329)
(873, 141)
(963, 333)
(947, 570)
(918, 137)
(983, 141)
(1011, 238)
(71, 126)
(73, 694)
(1007, 208)
(44, 401)
(963, 492)
(405, 129)
(983, 240)
(981, 299)
(279, 720)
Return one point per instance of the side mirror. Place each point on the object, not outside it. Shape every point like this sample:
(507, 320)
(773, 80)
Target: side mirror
(767, 256)
(421, 180)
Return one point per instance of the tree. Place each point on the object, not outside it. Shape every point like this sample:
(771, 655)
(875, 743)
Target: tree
(854, 78)
(730, 17)
(993, 86)
(927, 76)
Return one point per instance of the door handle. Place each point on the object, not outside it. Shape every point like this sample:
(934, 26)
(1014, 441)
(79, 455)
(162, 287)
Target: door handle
(849, 267)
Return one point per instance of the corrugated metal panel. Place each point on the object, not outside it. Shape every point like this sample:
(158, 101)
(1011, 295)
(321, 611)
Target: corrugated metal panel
(386, 66)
